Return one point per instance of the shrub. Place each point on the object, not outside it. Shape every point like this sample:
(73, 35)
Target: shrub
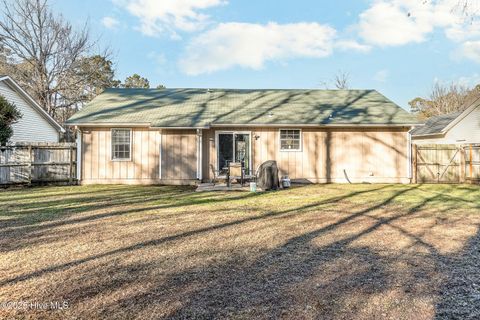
(9, 114)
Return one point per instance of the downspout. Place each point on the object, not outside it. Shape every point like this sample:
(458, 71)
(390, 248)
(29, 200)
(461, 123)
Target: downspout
(160, 154)
(199, 154)
(79, 155)
(409, 155)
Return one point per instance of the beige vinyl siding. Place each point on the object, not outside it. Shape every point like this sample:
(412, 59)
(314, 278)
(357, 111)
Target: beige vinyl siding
(177, 149)
(32, 127)
(328, 155)
(179, 159)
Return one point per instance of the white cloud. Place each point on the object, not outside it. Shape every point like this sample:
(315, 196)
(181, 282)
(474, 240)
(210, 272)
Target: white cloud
(465, 26)
(399, 22)
(110, 22)
(471, 50)
(381, 76)
(159, 58)
(469, 81)
(388, 24)
(251, 45)
(160, 16)
(160, 62)
(462, 32)
(352, 45)
(462, 81)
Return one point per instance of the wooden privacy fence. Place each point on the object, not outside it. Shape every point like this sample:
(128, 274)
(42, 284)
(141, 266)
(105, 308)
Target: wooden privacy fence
(38, 163)
(472, 162)
(438, 163)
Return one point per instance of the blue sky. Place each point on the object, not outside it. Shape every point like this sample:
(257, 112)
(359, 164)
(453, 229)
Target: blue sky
(399, 47)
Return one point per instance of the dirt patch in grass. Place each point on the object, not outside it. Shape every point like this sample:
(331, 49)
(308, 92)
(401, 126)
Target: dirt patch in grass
(320, 251)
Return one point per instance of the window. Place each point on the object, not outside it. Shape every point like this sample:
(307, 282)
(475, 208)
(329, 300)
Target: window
(290, 140)
(121, 144)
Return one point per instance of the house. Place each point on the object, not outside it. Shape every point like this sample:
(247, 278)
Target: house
(176, 136)
(454, 128)
(36, 125)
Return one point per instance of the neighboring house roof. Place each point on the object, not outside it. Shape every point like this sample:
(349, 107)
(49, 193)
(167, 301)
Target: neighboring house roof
(15, 86)
(202, 108)
(436, 124)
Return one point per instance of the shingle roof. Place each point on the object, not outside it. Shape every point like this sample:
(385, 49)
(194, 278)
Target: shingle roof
(436, 124)
(204, 107)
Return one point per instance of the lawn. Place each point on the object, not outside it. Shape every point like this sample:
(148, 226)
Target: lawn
(319, 251)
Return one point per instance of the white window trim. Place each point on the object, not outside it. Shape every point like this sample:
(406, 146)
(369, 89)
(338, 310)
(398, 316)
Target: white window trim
(111, 144)
(280, 140)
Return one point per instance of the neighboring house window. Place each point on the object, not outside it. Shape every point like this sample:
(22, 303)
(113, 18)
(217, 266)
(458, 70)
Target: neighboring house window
(290, 140)
(121, 144)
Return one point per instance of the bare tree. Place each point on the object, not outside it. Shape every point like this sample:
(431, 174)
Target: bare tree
(342, 80)
(465, 8)
(42, 51)
(444, 99)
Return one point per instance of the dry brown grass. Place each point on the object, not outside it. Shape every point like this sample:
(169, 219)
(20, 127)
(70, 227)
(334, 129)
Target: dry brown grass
(320, 251)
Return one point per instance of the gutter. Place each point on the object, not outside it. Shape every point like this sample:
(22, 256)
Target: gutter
(428, 135)
(129, 125)
(181, 128)
(274, 125)
(110, 124)
(316, 125)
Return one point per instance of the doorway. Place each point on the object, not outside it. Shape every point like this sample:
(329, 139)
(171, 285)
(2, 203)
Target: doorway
(233, 147)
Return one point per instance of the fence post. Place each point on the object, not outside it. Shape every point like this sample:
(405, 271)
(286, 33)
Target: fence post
(30, 160)
(462, 164)
(471, 161)
(415, 161)
(70, 174)
(437, 161)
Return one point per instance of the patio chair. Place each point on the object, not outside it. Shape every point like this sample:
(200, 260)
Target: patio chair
(216, 175)
(236, 171)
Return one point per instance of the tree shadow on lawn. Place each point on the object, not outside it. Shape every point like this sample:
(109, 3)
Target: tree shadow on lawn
(159, 241)
(460, 294)
(269, 283)
(42, 192)
(28, 230)
(268, 287)
(61, 205)
(295, 279)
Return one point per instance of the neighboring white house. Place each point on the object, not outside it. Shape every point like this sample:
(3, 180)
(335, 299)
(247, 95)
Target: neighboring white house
(455, 128)
(36, 125)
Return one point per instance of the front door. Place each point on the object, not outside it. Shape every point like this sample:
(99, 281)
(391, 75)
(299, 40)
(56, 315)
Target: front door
(233, 147)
